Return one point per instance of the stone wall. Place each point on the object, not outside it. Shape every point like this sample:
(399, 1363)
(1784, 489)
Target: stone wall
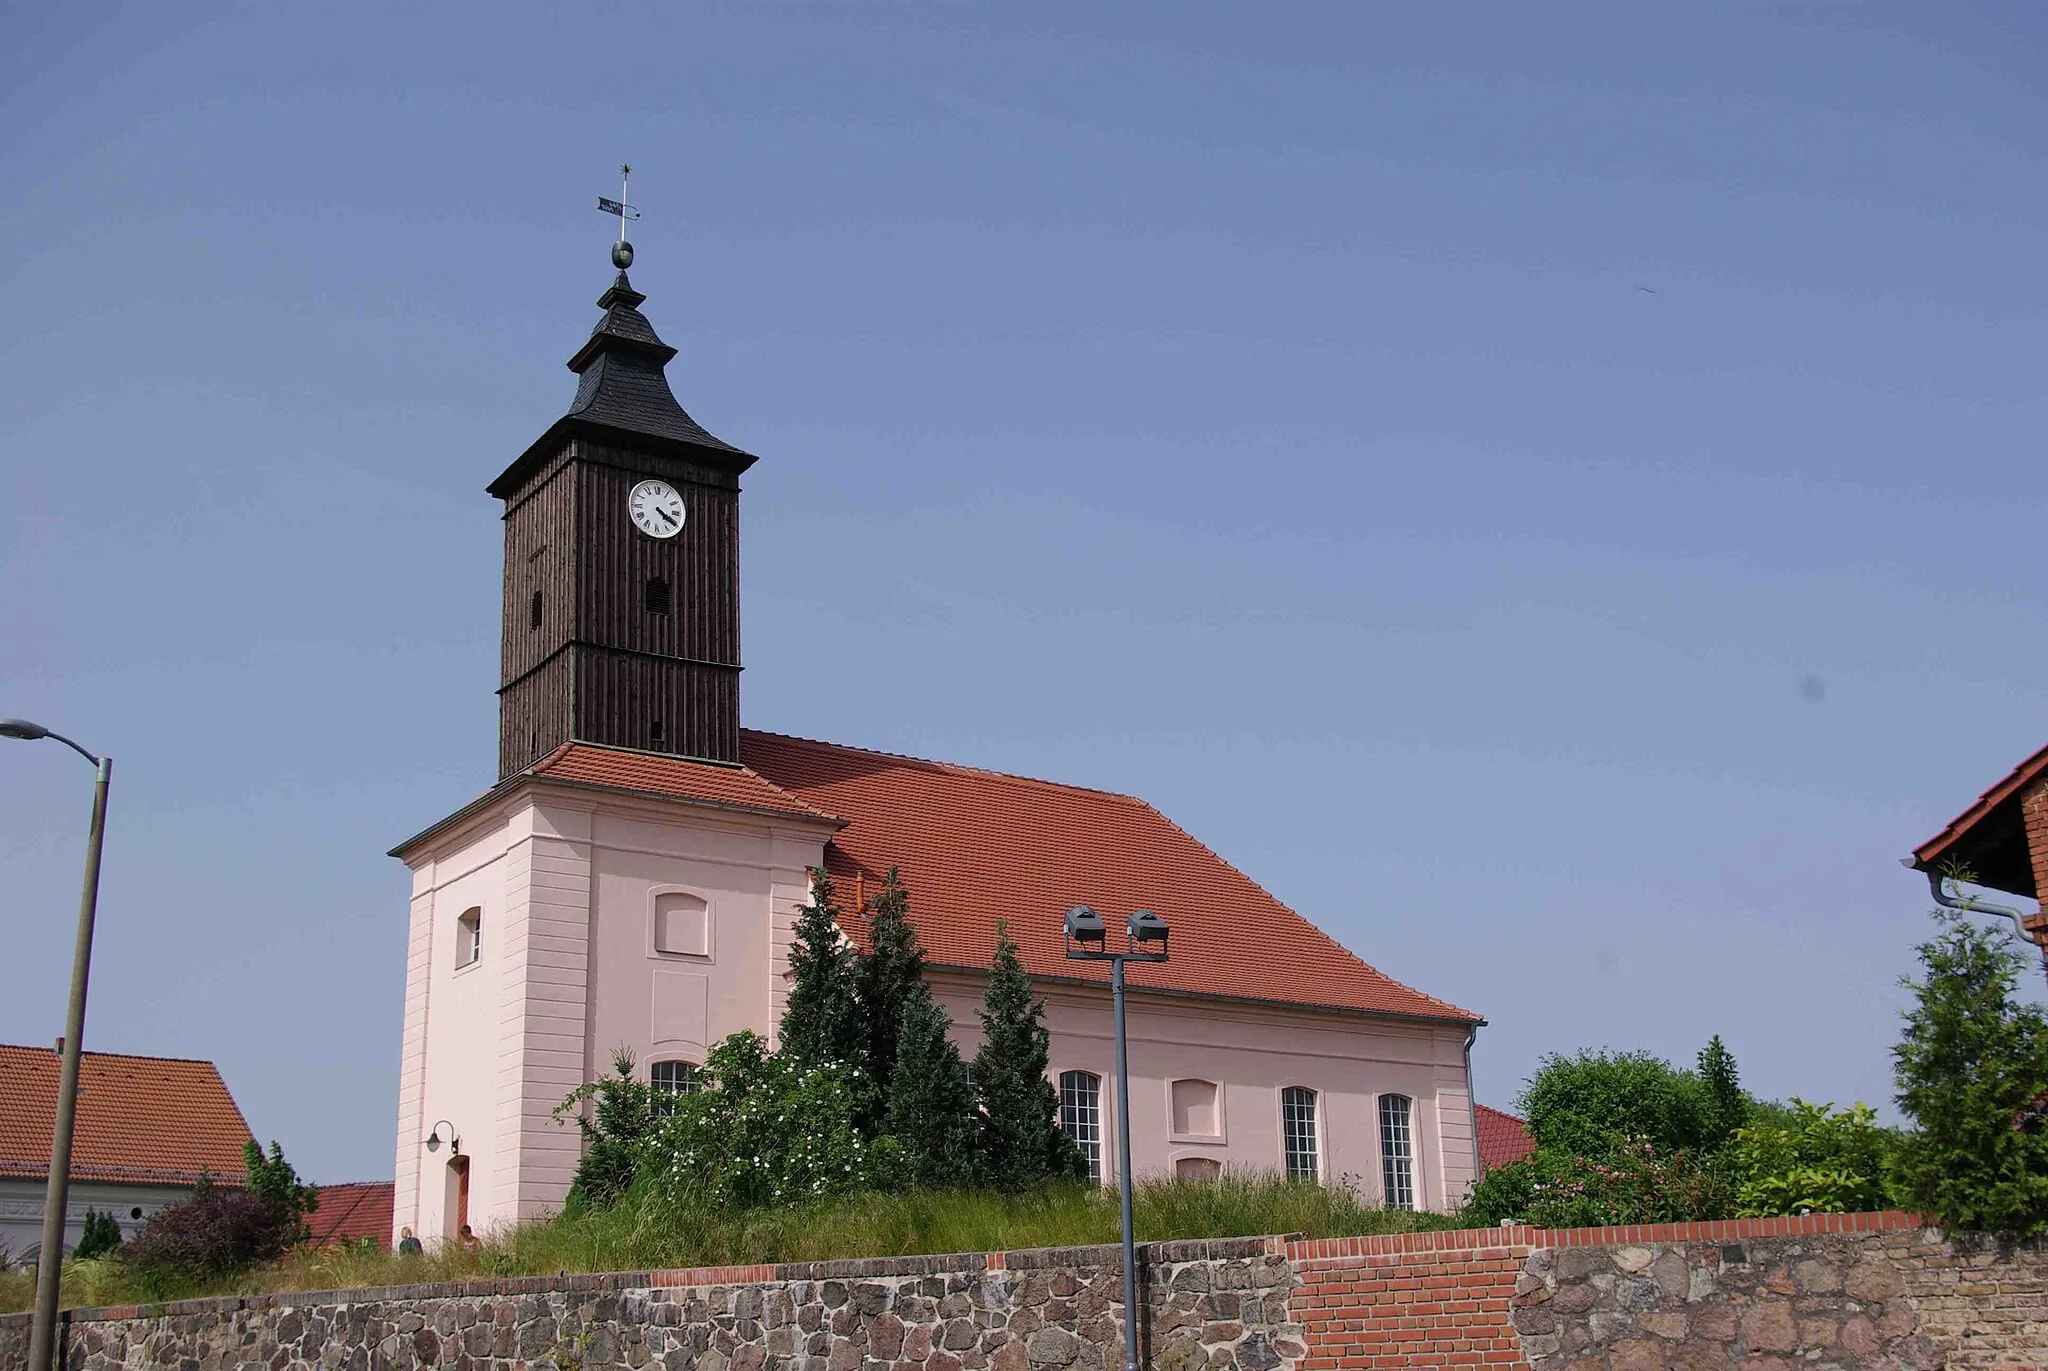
(1835, 1292)
(1857, 1292)
(1209, 1306)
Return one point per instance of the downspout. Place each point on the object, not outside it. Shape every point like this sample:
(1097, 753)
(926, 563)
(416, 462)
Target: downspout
(1970, 904)
(1472, 1102)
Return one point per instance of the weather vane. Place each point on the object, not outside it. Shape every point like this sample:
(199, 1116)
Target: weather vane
(622, 251)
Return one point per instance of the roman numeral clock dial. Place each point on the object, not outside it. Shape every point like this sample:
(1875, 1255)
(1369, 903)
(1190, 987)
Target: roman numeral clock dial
(657, 509)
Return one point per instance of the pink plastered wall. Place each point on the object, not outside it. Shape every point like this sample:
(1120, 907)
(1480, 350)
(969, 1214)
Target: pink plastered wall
(569, 883)
(1251, 1053)
(572, 883)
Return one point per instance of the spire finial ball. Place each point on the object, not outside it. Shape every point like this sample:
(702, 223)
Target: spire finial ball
(622, 254)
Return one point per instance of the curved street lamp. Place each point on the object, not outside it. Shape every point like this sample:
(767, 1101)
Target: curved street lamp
(42, 1350)
(1087, 939)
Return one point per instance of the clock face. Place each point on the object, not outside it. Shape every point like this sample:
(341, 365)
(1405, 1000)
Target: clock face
(656, 508)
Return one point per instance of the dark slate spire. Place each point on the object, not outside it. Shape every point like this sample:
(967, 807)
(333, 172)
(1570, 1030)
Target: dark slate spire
(622, 394)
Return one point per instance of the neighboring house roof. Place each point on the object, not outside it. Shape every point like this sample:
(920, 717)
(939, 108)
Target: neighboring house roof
(350, 1212)
(1503, 1138)
(1989, 839)
(976, 846)
(152, 1120)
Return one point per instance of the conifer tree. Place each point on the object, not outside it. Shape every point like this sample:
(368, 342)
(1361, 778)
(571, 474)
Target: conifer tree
(931, 1103)
(1021, 1140)
(888, 979)
(101, 1235)
(822, 1023)
(1727, 1107)
(1973, 1074)
(615, 1132)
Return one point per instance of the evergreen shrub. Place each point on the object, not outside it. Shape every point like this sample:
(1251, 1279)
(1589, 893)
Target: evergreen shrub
(1972, 1071)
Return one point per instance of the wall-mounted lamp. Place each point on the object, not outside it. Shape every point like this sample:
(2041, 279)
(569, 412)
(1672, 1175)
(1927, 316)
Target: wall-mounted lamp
(434, 1138)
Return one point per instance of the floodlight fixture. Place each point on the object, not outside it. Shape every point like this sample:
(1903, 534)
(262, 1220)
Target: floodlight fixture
(1085, 930)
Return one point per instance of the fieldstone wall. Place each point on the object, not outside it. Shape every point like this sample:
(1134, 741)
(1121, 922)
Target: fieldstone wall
(1832, 1292)
(1209, 1306)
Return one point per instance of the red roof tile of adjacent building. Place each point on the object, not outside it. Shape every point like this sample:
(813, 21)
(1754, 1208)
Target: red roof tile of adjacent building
(735, 787)
(144, 1119)
(352, 1211)
(1503, 1138)
(976, 846)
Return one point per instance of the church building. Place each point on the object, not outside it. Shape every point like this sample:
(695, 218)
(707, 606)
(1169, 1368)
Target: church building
(633, 877)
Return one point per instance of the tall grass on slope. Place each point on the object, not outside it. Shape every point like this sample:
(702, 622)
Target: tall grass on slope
(641, 1233)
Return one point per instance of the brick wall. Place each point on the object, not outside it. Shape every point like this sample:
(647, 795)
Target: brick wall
(1408, 1308)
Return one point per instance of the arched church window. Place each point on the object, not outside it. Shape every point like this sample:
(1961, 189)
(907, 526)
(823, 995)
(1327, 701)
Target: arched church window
(469, 936)
(1397, 1151)
(670, 1079)
(1298, 1132)
(1081, 1116)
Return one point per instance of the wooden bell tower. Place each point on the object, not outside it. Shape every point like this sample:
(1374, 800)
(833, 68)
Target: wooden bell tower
(622, 593)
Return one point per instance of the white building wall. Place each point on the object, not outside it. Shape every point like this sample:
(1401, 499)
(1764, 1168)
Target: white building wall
(21, 1209)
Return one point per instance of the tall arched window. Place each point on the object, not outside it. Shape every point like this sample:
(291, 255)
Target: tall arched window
(670, 1079)
(469, 936)
(1397, 1151)
(1298, 1132)
(1081, 1116)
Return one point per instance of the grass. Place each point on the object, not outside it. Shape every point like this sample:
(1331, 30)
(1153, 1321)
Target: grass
(633, 1236)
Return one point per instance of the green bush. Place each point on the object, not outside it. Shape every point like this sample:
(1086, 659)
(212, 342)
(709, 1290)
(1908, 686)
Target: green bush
(1586, 1105)
(1632, 1180)
(1972, 1072)
(221, 1232)
(766, 1129)
(1818, 1162)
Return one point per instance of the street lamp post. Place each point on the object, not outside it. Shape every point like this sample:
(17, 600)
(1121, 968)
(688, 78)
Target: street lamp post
(1087, 941)
(42, 1349)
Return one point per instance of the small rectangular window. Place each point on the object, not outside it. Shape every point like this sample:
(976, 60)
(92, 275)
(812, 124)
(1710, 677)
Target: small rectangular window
(1397, 1151)
(1298, 1132)
(656, 596)
(469, 936)
(1081, 1116)
(533, 612)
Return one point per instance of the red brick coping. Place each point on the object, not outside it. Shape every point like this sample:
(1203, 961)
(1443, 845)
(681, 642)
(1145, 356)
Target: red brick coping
(1622, 1235)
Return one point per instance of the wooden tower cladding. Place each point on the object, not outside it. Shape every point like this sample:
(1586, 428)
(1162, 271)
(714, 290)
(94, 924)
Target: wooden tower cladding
(612, 635)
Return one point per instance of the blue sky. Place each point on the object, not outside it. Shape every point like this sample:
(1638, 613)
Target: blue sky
(1554, 497)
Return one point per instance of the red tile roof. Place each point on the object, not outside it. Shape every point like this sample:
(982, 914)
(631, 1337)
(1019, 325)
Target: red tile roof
(1503, 1138)
(352, 1211)
(146, 1119)
(1990, 837)
(734, 787)
(974, 846)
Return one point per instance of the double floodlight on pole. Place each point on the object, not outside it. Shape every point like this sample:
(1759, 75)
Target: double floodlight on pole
(42, 1347)
(1087, 940)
